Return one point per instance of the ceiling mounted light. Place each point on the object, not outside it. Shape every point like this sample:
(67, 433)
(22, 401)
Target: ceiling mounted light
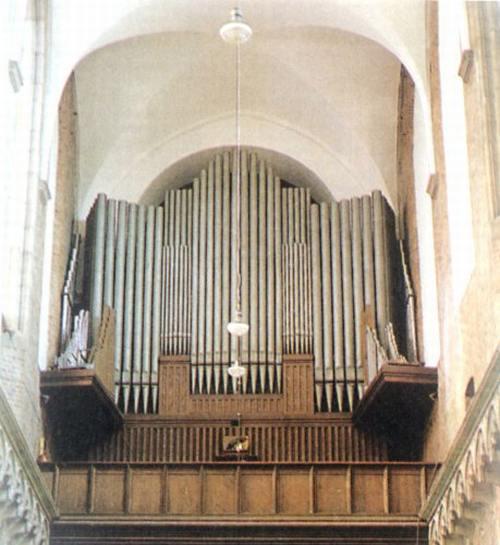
(237, 31)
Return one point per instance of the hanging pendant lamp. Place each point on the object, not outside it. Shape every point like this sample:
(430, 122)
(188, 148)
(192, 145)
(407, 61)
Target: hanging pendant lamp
(237, 32)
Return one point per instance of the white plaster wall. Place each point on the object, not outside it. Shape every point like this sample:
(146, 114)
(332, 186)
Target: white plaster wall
(423, 168)
(455, 146)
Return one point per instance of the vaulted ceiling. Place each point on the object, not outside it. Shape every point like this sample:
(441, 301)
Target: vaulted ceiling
(155, 90)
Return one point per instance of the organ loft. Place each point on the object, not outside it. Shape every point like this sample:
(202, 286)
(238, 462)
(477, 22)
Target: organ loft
(326, 415)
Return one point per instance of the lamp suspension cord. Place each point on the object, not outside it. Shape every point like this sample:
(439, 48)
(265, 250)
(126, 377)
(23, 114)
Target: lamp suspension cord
(238, 204)
(238, 182)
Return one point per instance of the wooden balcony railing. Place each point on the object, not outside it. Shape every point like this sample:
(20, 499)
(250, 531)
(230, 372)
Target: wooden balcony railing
(254, 491)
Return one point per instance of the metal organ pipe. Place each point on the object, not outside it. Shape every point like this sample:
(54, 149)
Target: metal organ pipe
(357, 270)
(226, 230)
(262, 274)
(202, 260)
(270, 273)
(148, 306)
(338, 310)
(157, 300)
(138, 306)
(217, 281)
(129, 304)
(195, 285)
(348, 299)
(109, 270)
(327, 302)
(380, 264)
(254, 277)
(209, 322)
(98, 263)
(316, 304)
(120, 294)
(278, 279)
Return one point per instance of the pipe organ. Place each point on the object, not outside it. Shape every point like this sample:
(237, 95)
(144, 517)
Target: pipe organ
(315, 277)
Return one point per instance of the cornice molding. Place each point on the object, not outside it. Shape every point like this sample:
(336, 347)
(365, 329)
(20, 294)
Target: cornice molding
(471, 454)
(26, 505)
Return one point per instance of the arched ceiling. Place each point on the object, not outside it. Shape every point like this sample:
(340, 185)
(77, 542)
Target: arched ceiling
(156, 87)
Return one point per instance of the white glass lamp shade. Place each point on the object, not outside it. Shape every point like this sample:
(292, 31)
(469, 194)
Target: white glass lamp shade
(236, 370)
(237, 328)
(237, 30)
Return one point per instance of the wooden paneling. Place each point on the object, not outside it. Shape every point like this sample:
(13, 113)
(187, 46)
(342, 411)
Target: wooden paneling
(404, 491)
(184, 492)
(256, 492)
(293, 492)
(246, 489)
(368, 490)
(109, 491)
(331, 491)
(175, 399)
(219, 495)
(72, 491)
(145, 491)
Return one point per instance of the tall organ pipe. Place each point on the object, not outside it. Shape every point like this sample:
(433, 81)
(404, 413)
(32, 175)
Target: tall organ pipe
(109, 271)
(262, 275)
(270, 270)
(338, 313)
(348, 299)
(327, 305)
(120, 293)
(226, 231)
(98, 263)
(380, 265)
(209, 322)
(357, 269)
(316, 300)
(138, 306)
(129, 304)
(254, 273)
(278, 313)
(218, 325)
(156, 327)
(368, 268)
(195, 290)
(148, 306)
(202, 284)
(188, 292)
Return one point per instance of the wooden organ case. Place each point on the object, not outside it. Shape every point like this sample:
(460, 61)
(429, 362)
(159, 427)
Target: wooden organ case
(320, 435)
